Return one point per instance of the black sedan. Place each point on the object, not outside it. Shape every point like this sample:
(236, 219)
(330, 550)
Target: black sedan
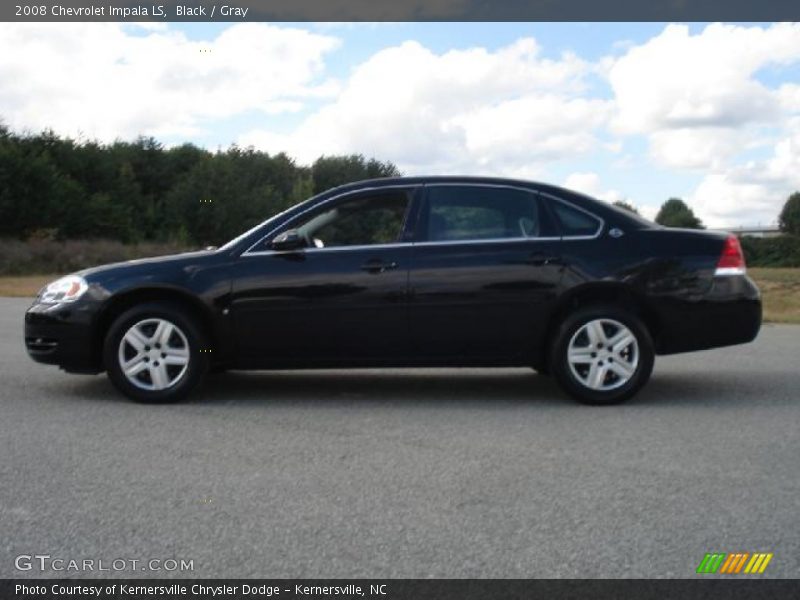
(410, 272)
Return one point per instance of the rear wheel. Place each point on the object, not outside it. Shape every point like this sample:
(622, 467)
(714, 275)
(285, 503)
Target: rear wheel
(153, 353)
(602, 355)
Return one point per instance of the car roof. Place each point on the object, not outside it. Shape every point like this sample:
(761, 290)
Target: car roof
(423, 179)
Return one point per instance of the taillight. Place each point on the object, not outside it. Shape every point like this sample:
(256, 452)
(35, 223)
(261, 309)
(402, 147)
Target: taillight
(732, 260)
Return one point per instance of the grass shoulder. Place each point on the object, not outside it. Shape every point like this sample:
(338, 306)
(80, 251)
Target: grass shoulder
(781, 293)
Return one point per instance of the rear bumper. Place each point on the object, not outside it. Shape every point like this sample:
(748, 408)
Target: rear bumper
(729, 314)
(62, 335)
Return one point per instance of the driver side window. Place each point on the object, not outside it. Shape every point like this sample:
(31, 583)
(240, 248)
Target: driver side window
(367, 220)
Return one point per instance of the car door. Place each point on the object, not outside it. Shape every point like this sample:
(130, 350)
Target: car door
(484, 273)
(340, 299)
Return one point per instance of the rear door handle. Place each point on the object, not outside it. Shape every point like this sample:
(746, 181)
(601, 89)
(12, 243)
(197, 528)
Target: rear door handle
(378, 266)
(540, 260)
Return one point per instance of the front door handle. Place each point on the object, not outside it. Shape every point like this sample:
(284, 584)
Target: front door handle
(378, 266)
(540, 259)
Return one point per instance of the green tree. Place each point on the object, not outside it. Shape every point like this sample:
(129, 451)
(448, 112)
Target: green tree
(626, 206)
(34, 193)
(330, 171)
(676, 213)
(789, 219)
(141, 191)
(227, 192)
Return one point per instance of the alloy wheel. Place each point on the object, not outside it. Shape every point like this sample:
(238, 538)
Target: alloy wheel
(154, 354)
(603, 354)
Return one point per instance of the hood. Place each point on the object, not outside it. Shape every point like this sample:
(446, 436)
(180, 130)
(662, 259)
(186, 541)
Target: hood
(141, 264)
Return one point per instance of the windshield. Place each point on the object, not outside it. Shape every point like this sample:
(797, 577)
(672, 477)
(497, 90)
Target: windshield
(252, 230)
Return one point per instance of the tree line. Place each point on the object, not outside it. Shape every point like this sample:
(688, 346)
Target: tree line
(673, 213)
(58, 188)
(676, 213)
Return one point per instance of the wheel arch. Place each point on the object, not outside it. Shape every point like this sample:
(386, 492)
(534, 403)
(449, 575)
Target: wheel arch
(122, 301)
(594, 293)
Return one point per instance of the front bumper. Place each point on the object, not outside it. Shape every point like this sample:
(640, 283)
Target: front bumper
(62, 334)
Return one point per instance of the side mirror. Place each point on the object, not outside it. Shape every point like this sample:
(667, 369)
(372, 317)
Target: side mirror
(288, 240)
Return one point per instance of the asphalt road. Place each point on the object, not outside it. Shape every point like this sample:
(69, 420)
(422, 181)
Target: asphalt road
(446, 473)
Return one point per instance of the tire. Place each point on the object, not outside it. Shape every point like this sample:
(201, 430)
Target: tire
(165, 364)
(590, 369)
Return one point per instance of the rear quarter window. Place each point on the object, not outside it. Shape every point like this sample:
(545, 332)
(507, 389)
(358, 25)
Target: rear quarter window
(575, 222)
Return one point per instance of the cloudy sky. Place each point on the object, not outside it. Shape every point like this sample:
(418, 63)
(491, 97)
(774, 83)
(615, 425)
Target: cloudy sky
(641, 112)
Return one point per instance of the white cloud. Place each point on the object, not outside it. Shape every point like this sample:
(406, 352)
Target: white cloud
(537, 127)
(476, 110)
(700, 149)
(648, 211)
(588, 183)
(700, 103)
(679, 80)
(789, 97)
(753, 192)
(100, 81)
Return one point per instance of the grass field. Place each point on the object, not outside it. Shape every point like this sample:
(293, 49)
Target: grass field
(781, 289)
(24, 285)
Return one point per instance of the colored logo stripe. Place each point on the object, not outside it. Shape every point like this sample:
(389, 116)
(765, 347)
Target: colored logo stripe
(734, 562)
(710, 563)
(758, 563)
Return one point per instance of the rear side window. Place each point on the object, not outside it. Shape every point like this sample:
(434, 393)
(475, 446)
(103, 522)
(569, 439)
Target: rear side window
(464, 212)
(575, 222)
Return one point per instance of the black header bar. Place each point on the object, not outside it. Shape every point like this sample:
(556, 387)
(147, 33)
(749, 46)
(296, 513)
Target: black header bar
(400, 10)
(740, 588)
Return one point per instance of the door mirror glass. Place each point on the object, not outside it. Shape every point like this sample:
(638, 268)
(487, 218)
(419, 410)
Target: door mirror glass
(288, 240)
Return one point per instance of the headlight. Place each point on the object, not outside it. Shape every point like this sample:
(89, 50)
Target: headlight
(66, 289)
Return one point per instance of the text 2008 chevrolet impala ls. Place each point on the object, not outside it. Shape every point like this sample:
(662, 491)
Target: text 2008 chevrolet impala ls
(410, 272)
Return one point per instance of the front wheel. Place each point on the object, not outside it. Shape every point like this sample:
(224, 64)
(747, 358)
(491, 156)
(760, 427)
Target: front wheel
(155, 353)
(602, 355)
